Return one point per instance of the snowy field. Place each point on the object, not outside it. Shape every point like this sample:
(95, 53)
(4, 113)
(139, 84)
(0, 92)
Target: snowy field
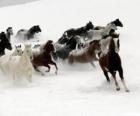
(80, 89)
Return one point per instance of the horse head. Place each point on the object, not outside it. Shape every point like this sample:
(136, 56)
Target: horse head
(18, 50)
(49, 47)
(35, 29)
(9, 30)
(89, 26)
(117, 22)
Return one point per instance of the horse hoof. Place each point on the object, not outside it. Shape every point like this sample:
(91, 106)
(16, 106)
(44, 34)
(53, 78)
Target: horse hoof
(56, 73)
(127, 90)
(118, 89)
(42, 74)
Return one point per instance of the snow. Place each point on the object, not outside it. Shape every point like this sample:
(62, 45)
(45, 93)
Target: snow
(80, 89)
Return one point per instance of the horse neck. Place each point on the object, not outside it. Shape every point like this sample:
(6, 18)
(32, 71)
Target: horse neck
(8, 35)
(31, 31)
(24, 58)
(112, 46)
(91, 50)
(107, 28)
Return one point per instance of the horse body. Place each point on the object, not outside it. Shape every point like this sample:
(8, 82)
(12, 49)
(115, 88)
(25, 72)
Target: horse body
(87, 55)
(111, 62)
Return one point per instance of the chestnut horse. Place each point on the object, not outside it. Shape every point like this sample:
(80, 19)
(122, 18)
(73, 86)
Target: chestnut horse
(111, 62)
(86, 55)
(44, 58)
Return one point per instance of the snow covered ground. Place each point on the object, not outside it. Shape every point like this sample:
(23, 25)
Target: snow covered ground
(80, 89)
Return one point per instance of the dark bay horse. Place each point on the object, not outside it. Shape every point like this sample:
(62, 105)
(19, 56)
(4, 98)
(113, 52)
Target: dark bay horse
(111, 62)
(44, 58)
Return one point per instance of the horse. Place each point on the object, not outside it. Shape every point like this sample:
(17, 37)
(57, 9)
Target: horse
(44, 58)
(111, 62)
(63, 52)
(18, 66)
(9, 33)
(86, 55)
(4, 43)
(99, 34)
(82, 31)
(28, 34)
(117, 23)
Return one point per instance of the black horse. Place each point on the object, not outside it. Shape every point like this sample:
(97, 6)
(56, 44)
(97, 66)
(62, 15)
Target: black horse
(63, 53)
(4, 43)
(82, 31)
(28, 34)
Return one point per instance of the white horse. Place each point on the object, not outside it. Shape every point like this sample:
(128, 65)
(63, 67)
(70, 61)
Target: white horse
(18, 66)
(99, 34)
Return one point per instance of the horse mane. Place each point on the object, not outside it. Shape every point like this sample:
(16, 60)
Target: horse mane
(34, 29)
(94, 45)
(48, 47)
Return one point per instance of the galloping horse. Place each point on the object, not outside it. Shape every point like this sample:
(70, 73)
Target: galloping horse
(86, 55)
(44, 58)
(28, 34)
(18, 66)
(111, 62)
(82, 31)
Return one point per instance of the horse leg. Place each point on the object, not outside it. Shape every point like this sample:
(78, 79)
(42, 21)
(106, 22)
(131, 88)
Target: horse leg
(116, 83)
(92, 64)
(122, 79)
(53, 63)
(30, 75)
(106, 75)
(48, 68)
(35, 67)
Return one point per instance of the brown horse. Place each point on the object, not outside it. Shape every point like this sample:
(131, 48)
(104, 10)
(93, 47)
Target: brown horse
(111, 62)
(44, 58)
(87, 55)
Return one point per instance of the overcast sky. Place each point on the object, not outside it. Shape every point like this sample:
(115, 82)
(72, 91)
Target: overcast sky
(13, 2)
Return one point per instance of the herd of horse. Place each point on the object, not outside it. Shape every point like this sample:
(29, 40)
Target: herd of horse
(87, 44)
